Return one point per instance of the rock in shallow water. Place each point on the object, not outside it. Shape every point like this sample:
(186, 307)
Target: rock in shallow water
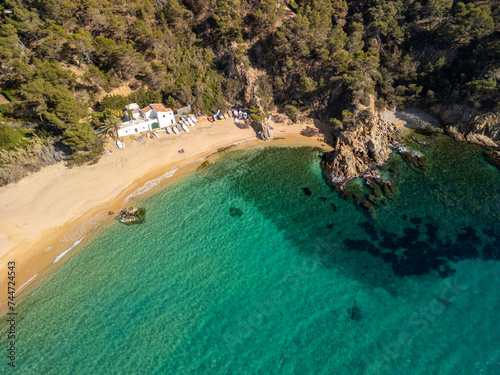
(234, 211)
(355, 313)
(132, 215)
(417, 163)
(306, 191)
(493, 158)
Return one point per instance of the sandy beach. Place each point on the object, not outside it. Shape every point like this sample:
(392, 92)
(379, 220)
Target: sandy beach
(44, 214)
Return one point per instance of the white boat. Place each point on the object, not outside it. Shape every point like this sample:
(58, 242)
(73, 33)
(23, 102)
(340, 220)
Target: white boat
(230, 113)
(120, 144)
(179, 128)
(168, 129)
(189, 121)
(186, 129)
(175, 130)
(193, 117)
(156, 134)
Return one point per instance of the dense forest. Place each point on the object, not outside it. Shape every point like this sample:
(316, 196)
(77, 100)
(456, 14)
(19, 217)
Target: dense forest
(60, 60)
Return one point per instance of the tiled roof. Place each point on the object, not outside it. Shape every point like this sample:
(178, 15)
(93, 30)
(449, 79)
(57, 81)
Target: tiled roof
(146, 109)
(158, 107)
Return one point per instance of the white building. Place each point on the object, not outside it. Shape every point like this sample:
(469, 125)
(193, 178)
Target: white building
(133, 110)
(152, 117)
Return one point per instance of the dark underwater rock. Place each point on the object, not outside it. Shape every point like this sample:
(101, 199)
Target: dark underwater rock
(367, 206)
(390, 189)
(334, 208)
(389, 241)
(469, 236)
(445, 270)
(404, 217)
(306, 191)
(330, 226)
(410, 236)
(205, 164)
(369, 228)
(431, 232)
(355, 313)
(389, 258)
(416, 220)
(417, 163)
(493, 158)
(235, 212)
(491, 252)
(412, 263)
(323, 199)
(362, 245)
(394, 170)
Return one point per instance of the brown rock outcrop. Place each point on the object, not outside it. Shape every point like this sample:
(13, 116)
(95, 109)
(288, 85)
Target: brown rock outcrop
(465, 123)
(360, 148)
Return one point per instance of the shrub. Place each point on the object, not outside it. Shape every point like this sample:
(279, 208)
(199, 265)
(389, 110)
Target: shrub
(11, 138)
(365, 100)
(292, 112)
(8, 95)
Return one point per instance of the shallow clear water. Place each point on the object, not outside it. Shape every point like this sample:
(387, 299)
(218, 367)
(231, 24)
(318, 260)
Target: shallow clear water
(195, 290)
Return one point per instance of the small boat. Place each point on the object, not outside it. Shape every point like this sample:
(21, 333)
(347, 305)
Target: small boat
(245, 115)
(179, 128)
(120, 144)
(175, 130)
(193, 117)
(226, 115)
(156, 134)
(168, 129)
(230, 113)
(186, 129)
(189, 121)
(210, 118)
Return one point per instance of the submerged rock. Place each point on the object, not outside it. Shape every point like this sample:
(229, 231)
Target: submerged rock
(205, 164)
(234, 211)
(493, 158)
(416, 162)
(355, 313)
(306, 191)
(416, 220)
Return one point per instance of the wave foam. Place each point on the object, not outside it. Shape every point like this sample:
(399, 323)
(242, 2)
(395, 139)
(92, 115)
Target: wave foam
(151, 184)
(66, 251)
(31, 279)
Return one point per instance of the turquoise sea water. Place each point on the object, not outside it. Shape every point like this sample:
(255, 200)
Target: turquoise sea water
(289, 286)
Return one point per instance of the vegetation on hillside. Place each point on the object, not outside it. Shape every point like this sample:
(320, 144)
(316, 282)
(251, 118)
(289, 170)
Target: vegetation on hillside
(58, 57)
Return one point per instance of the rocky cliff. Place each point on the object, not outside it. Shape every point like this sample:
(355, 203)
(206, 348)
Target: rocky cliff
(364, 144)
(465, 123)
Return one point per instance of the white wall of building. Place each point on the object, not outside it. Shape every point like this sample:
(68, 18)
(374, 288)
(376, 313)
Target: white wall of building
(165, 118)
(134, 128)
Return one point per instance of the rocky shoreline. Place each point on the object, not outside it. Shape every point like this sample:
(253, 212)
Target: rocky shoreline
(366, 146)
